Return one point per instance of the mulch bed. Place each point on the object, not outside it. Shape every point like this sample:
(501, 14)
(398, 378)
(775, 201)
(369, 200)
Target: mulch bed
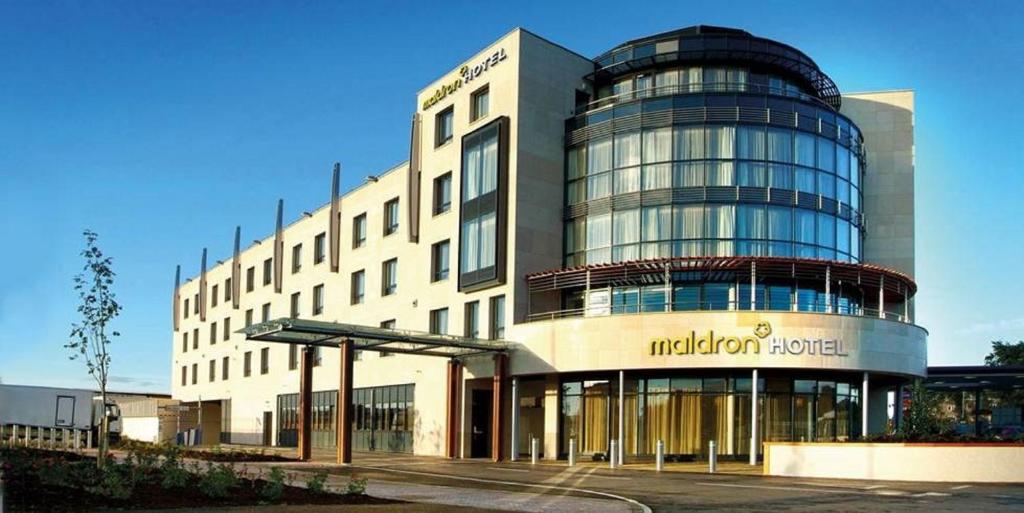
(235, 456)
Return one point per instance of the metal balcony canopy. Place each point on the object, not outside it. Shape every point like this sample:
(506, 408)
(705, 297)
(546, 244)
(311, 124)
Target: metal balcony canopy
(369, 338)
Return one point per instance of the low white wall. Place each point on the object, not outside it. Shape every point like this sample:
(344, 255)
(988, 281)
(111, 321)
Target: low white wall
(143, 429)
(978, 463)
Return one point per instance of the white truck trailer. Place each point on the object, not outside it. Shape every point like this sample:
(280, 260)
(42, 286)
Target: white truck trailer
(59, 408)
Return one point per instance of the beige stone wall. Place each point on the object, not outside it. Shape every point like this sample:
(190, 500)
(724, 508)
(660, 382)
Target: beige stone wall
(886, 120)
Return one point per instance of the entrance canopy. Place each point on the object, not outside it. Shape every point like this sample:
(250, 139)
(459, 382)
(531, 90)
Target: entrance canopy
(370, 338)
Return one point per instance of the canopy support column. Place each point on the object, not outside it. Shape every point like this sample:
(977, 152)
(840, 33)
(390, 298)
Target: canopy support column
(497, 411)
(306, 403)
(753, 418)
(453, 409)
(864, 407)
(513, 453)
(344, 408)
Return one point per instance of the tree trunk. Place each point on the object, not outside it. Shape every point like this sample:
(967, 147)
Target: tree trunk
(104, 437)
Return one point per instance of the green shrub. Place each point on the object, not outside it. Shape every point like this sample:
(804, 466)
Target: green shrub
(356, 486)
(274, 487)
(318, 483)
(218, 480)
(115, 482)
(172, 473)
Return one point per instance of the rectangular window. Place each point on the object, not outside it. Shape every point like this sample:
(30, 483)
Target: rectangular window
(227, 290)
(264, 360)
(214, 295)
(213, 371)
(389, 325)
(294, 309)
(444, 126)
(213, 333)
(248, 318)
(391, 217)
(184, 375)
(227, 328)
(268, 271)
(250, 279)
(439, 321)
(195, 338)
(186, 308)
(359, 231)
(389, 277)
(195, 373)
(358, 287)
(265, 314)
(319, 248)
(225, 366)
(497, 317)
(472, 319)
(293, 356)
(318, 299)
(481, 103)
(296, 258)
(195, 304)
(184, 342)
(439, 261)
(443, 193)
(247, 364)
(483, 169)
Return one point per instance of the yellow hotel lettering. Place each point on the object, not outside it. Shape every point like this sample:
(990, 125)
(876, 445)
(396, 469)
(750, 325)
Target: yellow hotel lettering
(705, 344)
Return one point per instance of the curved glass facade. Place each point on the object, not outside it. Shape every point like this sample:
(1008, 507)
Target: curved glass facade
(785, 183)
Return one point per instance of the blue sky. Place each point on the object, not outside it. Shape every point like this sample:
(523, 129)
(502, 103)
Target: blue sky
(162, 125)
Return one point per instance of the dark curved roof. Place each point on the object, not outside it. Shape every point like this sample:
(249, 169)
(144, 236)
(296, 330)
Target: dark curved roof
(702, 43)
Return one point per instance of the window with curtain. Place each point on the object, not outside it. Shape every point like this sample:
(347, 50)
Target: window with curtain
(689, 143)
(804, 144)
(627, 180)
(719, 223)
(826, 155)
(781, 176)
(644, 83)
(657, 223)
(751, 222)
(667, 82)
(826, 230)
(599, 155)
(804, 229)
(842, 161)
(688, 222)
(625, 300)
(599, 238)
(750, 142)
(599, 185)
(625, 234)
(827, 184)
(780, 145)
(478, 246)
(657, 176)
(805, 180)
(624, 88)
(721, 145)
(657, 145)
(692, 77)
(576, 160)
(843, 236)
(627, 149)
(689, 174)
(751, 174)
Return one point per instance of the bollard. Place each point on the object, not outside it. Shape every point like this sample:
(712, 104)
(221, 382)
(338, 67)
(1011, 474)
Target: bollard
(659, 456)
(78, 440)
(39, 438)
(88, 439)
(64, 438)
(14, 438)
(613, 452)
(572, 452)
(53, 438)
(712, 458)
(534, 450)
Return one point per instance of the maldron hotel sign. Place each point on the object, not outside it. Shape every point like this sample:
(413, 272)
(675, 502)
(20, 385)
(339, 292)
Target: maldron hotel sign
(466, 75)
(712, 343)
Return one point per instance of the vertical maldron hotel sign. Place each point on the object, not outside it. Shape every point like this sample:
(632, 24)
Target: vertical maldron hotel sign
(466, 75)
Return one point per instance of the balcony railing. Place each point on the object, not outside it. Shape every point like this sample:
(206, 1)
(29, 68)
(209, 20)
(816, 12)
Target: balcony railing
(817, 307)
(698, 87)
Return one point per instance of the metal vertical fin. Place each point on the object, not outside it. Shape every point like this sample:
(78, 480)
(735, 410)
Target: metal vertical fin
(413, 178)
(279, 247)
(202, 288)
(176, 297)
(236, 269)
(334, 223)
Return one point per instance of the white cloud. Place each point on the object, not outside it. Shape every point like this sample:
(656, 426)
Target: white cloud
(1003, 328)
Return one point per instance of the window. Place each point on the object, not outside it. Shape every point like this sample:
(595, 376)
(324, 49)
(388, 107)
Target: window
(268, 271)
(227, 290)
(319, 248)
(439, 261)
(227, 328)
(195, 338)
(390, 325)
(481, 103)
(247, 364)
(294, 309)
(195, 373)
(443, 193)
(225, 365)
(444, 126)
(265, 314)
(213, 333)
(293, 356)
(214, 295)
(296, 258)
(483, 162)
(184, 375)
(389, 277)
(439, 321)
(391, 217)
(250, 279)
(264, 360)
(358, 287)
(195, 304)
(359, 231)
(184, 342)
(248, 318)
(213, 371)
(497, 317)
(186, 308)
(472, 319)
(318, 299)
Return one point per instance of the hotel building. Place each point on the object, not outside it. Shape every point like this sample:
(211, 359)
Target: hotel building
(692, 237)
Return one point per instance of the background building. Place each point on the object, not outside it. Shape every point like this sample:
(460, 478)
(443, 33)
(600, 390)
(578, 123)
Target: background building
(692, 237)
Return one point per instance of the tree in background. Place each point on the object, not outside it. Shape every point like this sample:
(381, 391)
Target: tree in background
(922, 417)
(1005, 353)
(90, 337)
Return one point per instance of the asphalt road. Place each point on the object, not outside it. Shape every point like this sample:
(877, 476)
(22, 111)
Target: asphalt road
(522, 487)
